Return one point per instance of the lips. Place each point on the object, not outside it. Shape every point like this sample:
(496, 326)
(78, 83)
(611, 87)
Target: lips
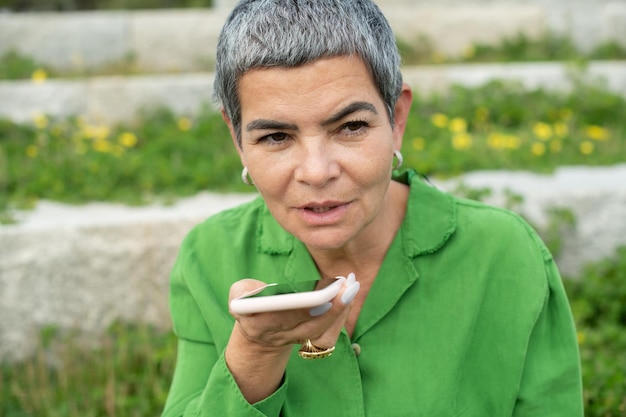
(320, 209)
(323, 214)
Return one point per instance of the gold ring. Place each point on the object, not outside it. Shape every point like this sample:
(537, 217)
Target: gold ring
(310, 351)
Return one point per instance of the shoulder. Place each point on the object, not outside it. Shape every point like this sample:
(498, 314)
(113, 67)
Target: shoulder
(501, 226)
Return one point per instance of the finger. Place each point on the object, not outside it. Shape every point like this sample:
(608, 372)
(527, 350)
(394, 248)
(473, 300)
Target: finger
(244, 286)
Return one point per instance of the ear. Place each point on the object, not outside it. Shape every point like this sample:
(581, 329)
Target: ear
(233, 136)
(403, 106)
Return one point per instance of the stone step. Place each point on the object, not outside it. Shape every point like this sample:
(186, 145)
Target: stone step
(184, 39)
(118, 99)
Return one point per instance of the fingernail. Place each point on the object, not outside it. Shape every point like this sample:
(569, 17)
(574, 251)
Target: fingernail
(321, 309)
(350, 292)
(351, 278)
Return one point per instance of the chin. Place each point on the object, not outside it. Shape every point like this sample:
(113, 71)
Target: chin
(321, 240)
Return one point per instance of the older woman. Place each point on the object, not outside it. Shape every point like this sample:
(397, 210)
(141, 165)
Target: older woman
(457, 307)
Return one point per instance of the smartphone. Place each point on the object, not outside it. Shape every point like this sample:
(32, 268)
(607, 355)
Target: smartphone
(287, 296)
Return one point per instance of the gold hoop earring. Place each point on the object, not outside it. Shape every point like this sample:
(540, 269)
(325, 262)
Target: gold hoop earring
(245, 177)
(399, 161)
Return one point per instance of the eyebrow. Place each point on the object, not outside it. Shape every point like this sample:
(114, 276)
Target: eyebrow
(268, 124)
(355, 107)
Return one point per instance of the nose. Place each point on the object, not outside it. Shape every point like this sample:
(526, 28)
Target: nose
(316, 163)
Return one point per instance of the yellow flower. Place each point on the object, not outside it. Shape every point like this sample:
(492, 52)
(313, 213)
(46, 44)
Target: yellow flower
(461, 141)
(561, 129)
(40, 120)
(458, 125)
(500, 141)
(31, 151)
(542, 130)
(556, 146)
(596, 132)
(538, 148)
(39, 76)
(495, 140)
(102, 145)
(127, 139)
(184, 124)
(418, 144)
(586, 148)
(440, 120)
(580, 337)
(98, 133)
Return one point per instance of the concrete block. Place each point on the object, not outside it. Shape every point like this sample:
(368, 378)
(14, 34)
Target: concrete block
(67, 40)
(547, 75)
(451, 30)
(21, 100)
(119, 99)
(176, 40)
(86, 267)
(614, 16)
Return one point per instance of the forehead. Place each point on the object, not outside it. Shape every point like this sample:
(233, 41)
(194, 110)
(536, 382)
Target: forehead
(326, 82)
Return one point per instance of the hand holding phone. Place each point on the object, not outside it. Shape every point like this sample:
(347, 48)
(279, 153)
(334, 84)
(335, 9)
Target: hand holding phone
(278, 297)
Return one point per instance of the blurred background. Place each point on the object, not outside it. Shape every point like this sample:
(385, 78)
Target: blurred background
(111, 150)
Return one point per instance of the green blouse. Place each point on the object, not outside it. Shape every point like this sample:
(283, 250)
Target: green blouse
(467, 317)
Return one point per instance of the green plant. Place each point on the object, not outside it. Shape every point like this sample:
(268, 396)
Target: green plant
(14, 65)
(518, 48)
(501, 125)
(124, 372)
(163, 156)
(598, 300)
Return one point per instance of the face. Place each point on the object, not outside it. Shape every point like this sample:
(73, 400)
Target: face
(319, 145)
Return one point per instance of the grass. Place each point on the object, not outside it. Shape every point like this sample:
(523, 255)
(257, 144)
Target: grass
(125, 372)
(165, 157)
(518, 48)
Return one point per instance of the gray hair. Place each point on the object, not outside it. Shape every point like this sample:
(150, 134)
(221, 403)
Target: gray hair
(291, 33)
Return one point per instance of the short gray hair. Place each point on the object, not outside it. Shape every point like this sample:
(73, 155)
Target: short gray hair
(291, 33)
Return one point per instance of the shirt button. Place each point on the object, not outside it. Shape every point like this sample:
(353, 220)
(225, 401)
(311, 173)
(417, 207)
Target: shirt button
(356, 348)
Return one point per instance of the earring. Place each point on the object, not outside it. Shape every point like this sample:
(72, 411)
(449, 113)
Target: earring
(245, 177)
(399, 158)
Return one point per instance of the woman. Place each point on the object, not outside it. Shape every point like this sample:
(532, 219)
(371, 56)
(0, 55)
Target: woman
(457, 308)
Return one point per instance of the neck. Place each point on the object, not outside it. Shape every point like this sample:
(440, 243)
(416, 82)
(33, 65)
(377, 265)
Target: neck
(364, 254)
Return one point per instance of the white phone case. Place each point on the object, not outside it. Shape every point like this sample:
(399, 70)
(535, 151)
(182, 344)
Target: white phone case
(307, 299)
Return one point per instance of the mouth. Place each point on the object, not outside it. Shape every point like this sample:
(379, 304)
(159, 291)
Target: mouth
(324, 213)
(322, 209)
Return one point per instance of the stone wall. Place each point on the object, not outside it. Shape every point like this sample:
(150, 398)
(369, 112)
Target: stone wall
(184, 40)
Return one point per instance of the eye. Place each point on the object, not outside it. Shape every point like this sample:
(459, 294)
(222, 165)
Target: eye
(354, 127)
(274, 138)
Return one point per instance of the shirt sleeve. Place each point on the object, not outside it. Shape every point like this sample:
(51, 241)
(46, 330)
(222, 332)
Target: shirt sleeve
(202, 385)
(218, 393)
(551, 381)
